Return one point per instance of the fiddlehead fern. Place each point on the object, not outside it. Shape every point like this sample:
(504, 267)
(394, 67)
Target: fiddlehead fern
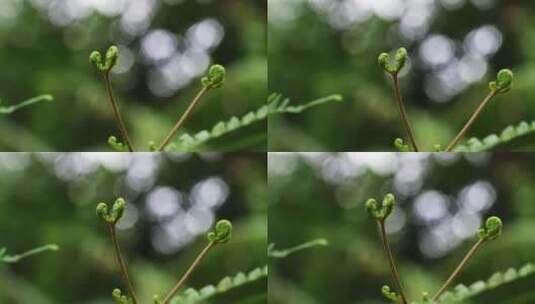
(503, 84)
(393, 68)
(380, 213)
(119, 298)
(114, 215)
(213, 80)
(215, 77)
(105, 66)
(116, 145)
(490, 231)
(391, 295)
(222, 232)
(401, 146)
(111, 217)
(220, 235)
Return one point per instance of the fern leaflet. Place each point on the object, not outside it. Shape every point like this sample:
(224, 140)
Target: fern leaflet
(191, 295)
(462, 292)
(276, 104)
(508, 134)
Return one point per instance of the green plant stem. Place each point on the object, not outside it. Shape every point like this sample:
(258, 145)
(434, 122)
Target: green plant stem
(393, 268)
(469, 123)
(116, 112)
(286, 252)
(18, 257)
(122, 264)
(459, 268)
(186, 275)
(403, 112)
(11, 109)
(183, 118)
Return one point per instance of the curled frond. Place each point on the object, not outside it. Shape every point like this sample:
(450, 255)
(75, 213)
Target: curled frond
(491, 230)
(117, 145)
(381, 212)
(112, 54)
(215, 77)
(393, 66)
(503, 83)
(111, 57)
(119, 298)
(391, 295)
(222, 232)
(113, 216)
(401, 146)
(96, 58)
(401, 58)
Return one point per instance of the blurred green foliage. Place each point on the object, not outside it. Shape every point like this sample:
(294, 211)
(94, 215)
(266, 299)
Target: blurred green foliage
(44, 49)
(51, 198)
(322, 195)
(318, 48)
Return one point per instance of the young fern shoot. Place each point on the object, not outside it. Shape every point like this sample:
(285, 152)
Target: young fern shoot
(380, 213)
(221, 234)
(393, 68)
(111, 217)
(503, 84)
(213, 80)
(491, 231)
(105, 67)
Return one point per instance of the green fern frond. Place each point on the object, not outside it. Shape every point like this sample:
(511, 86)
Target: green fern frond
(29, 102)
(462, 292)
(276, 104)
(273, 253)
(191, 295)
(279, 105)
(5, 258)
(491, 141)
